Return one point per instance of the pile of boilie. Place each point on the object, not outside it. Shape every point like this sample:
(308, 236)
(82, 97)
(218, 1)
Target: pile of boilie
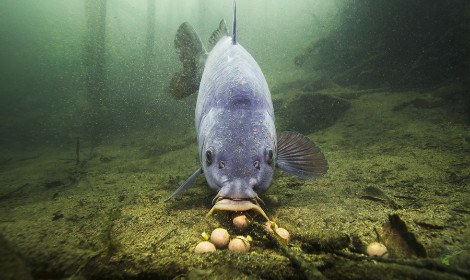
(220, 238)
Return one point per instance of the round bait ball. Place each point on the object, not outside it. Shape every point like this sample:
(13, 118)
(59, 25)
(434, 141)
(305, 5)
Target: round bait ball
(376, 249)
(204, 247)
(239, 245)
(283, 234)
(241, 222)
(220, 237)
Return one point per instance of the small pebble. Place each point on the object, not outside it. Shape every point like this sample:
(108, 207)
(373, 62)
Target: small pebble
(239, 245)
(220, 237)
(283, 234)
(241, 222)
(204, 247)
(376, 249)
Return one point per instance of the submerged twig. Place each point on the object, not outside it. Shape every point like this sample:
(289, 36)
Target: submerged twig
(432, 267)
(308, 269)
(77, 150)
(164, 237)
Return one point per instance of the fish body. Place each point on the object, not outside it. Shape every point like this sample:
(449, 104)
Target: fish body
(235, 123)
(234, 119)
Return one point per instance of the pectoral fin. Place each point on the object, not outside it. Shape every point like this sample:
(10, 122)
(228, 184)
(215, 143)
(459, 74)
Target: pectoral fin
(298, 155)
(186, 184)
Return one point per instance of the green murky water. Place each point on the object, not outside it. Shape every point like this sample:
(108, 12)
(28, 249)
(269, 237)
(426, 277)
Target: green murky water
(92, 143)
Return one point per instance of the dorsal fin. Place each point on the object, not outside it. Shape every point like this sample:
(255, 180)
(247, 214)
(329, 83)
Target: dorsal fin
(217, 34)
(234, 29)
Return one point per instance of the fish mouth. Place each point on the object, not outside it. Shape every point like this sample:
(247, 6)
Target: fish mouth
(238, 205)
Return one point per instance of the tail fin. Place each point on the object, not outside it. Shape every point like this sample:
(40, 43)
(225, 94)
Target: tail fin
(193, 55)
(234, 35)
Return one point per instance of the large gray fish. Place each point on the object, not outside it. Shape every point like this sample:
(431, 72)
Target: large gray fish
(238, 147)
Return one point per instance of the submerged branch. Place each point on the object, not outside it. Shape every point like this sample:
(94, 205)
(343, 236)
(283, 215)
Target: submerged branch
(308, 269)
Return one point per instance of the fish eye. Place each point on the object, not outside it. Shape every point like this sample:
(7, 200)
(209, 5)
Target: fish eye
(269, 156)
(221, 164)
(256, 164)
(208, 157)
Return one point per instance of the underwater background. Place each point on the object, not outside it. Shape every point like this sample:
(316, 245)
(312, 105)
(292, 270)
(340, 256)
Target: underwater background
(92, 143)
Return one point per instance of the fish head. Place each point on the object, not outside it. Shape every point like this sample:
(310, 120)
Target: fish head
(239, 172)
(238, 164)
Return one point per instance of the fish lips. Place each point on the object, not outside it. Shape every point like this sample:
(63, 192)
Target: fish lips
(238, 205)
